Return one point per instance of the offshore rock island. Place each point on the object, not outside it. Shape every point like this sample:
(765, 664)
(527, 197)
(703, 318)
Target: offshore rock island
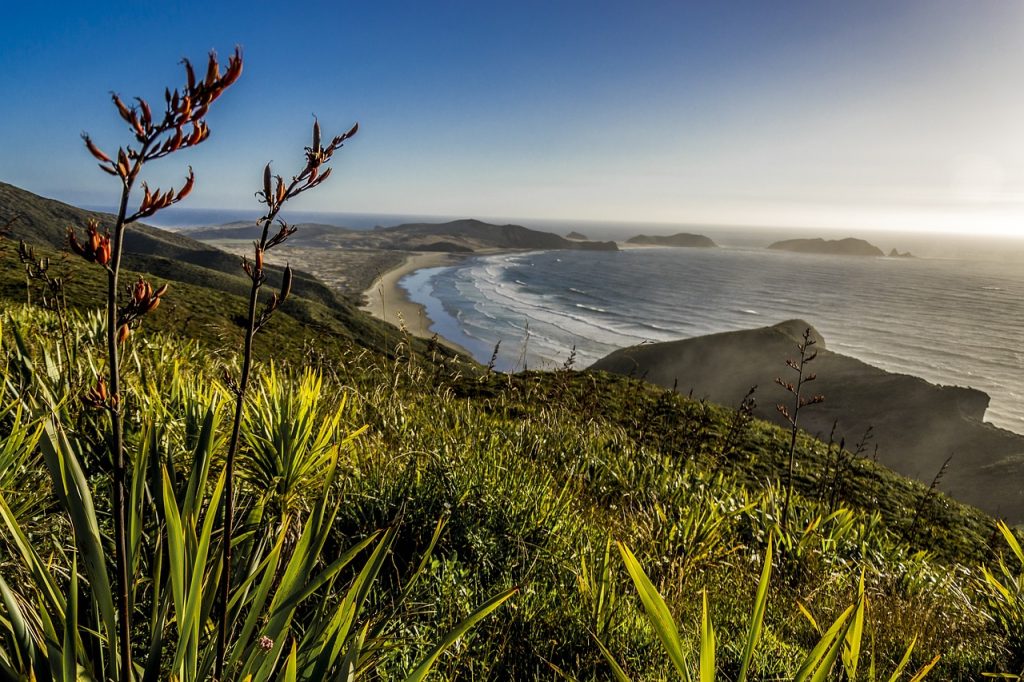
(683, 239)
(831, 247)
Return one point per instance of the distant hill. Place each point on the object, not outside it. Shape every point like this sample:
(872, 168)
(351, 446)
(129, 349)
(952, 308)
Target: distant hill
(485, 235)
(457, 236)
(577, 236)
(443, 247)
(242, 229)
(916, 425)
(211, 276)
(683, 239)
(832, 247)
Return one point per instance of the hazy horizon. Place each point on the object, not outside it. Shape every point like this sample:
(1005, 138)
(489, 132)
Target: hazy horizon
(962, 246)
(809, 115)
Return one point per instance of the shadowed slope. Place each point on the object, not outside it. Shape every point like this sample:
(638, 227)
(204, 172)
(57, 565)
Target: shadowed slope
(214, 288)
(917, 425)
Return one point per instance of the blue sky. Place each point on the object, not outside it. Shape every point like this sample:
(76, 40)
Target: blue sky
(864, 114)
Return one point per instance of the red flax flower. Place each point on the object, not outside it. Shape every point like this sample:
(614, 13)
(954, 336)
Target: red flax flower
(96, 248)
(154, 134)
(142, 299)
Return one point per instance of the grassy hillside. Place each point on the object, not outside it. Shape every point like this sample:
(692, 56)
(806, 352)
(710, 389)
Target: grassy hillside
(530, 476)
(208, 284)
(917, 426)
(388, 491)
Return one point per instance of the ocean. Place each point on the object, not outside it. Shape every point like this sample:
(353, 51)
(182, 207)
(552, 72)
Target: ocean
(949, 321)
(954, 316)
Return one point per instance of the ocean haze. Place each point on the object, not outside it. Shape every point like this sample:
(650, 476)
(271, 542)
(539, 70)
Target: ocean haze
(977, 246)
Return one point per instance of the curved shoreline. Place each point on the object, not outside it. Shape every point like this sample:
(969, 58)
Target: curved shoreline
(389, 302)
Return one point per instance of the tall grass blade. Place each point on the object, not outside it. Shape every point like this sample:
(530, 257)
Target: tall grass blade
(657, 610)
(1011, 540)
(291, 666)
(617, 671)
(421, 671)
(707, 644)
(925, 669)
(757, 615)
(70, 658)
(852, 644)
(24, 651)
(818, 664)
(903, 662)
(73, 491)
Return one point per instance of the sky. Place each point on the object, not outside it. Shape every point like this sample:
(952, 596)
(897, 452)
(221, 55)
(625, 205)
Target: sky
(891, 115)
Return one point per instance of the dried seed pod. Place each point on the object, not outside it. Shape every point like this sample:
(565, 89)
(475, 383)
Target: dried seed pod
(95, 151)
(212, 70)
(74, 244)
(147, 114)
(123, 110)
(140, 131)
(286, 283)
(122, 333)
(234, 69)
(190, 74)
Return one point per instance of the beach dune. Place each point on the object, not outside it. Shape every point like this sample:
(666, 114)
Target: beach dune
(388, 301)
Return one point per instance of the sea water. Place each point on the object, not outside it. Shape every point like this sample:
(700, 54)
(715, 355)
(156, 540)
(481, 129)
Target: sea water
(949, 321)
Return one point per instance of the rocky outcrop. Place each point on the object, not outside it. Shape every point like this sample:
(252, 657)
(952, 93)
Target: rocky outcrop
(896, 254)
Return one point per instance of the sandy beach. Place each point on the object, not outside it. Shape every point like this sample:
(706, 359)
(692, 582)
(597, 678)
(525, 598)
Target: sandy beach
(387, 301)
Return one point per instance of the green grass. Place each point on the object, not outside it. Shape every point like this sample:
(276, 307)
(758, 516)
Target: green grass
(490, 487)
(207, 305)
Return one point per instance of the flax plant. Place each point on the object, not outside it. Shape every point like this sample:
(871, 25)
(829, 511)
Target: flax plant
(841, 642)
(274, 194)
(800, 401)
(182, 125)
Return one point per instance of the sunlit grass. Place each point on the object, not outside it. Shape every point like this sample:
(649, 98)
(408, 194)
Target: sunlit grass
(467, 497)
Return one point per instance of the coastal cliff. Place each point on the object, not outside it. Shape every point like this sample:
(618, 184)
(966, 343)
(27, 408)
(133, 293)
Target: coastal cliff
(916, 425)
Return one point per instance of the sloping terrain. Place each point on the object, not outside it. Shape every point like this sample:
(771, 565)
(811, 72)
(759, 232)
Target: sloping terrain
(916, 425)
(208, 287)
